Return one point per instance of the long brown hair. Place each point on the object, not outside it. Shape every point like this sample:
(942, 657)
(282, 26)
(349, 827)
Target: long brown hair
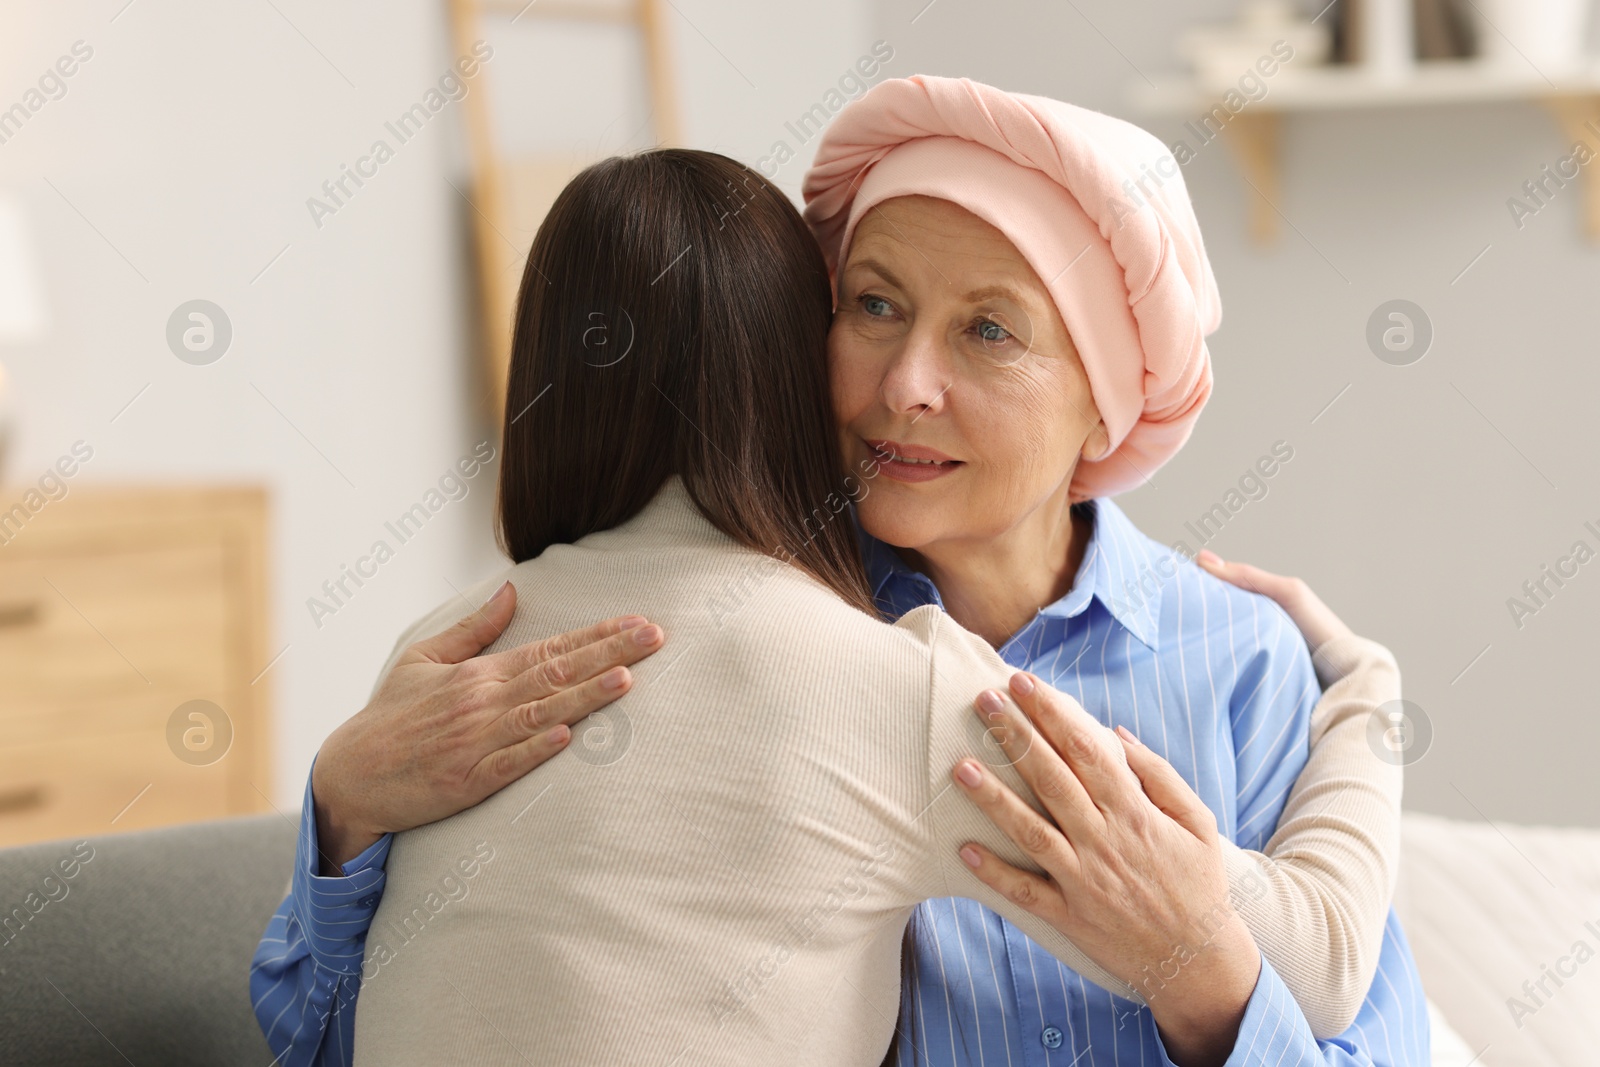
(673, 319)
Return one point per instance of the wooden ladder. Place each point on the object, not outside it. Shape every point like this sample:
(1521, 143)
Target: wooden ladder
(509, 195)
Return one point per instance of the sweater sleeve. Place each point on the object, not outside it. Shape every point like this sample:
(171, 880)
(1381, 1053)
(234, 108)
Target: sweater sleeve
(1317, 897)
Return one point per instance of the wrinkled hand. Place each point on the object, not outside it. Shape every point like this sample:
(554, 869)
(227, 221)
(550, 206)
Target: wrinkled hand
(1133, 862)
(448, 728)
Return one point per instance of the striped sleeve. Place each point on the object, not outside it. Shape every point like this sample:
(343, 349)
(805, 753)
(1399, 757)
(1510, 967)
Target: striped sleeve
(1391, 1029)
(306, 973)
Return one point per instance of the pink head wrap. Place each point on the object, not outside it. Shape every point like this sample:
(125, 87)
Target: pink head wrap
(1086, 199)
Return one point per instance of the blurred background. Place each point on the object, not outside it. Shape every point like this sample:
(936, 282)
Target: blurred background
(243, 344)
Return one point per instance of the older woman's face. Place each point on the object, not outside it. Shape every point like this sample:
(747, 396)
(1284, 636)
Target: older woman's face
(954, 377)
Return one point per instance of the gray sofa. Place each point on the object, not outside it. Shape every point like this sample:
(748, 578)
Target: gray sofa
(142, 954)
(144, 957)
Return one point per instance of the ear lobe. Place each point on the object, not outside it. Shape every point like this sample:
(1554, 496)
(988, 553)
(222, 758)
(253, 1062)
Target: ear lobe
(1098, 444)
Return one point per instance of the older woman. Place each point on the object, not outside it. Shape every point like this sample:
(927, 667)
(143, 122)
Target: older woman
(1022, 300)
(988, 426)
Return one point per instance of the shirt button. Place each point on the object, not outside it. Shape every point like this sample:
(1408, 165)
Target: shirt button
(1051, 1037)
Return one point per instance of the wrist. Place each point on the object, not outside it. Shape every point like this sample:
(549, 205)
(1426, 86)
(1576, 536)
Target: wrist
(1199, 1018)
(340, 837)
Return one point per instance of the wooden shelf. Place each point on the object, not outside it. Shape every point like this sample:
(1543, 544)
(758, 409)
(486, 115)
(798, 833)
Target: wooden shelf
(1334, 87)
(1572, 98)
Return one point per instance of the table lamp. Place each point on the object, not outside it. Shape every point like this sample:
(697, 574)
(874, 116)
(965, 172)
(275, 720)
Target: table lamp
(22, 314)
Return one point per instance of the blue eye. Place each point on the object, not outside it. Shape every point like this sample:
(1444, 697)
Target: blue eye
(991, 332)
(876, 306)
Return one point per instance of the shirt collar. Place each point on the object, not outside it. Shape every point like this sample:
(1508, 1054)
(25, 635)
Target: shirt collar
(1122, 568)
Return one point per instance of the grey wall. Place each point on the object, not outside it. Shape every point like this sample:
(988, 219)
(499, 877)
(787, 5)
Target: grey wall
(193, 138)
(177, 166)
(1427, 494)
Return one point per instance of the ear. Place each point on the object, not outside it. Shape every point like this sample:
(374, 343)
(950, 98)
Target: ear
(1098, 444)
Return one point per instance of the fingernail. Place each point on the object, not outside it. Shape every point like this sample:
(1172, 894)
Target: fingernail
(498, 593)
(990, 702)
(630, 622)
(615, 678)
(559, 735)
(969, 775)
(1127, 736)
(647, 635)
(970, 856)
(1021, 684)
(1208, 557)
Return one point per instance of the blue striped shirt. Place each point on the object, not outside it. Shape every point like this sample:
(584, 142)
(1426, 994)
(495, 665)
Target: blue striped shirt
(1214, 679)
(1220, 683)
(307, 970)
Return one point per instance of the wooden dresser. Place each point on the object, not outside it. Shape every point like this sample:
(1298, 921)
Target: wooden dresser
(133, 643)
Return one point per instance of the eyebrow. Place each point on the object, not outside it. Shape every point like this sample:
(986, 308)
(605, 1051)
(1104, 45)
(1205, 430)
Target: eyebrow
(987, 292)
(878, 268)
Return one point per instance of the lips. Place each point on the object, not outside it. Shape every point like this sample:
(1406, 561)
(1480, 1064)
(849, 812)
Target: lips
(911, 463)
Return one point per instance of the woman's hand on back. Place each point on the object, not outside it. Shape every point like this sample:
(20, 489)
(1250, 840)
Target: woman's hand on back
(448, 728)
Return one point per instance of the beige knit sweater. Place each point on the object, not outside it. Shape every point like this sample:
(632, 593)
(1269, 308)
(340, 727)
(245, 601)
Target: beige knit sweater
(721, 869)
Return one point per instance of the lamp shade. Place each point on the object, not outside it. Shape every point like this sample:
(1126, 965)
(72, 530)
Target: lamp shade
(22, 312)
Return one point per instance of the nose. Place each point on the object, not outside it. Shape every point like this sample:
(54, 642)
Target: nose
(917, 379)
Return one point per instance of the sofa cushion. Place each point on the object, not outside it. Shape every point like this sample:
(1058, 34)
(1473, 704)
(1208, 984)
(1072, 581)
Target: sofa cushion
(1505, 924)
(136, 947)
